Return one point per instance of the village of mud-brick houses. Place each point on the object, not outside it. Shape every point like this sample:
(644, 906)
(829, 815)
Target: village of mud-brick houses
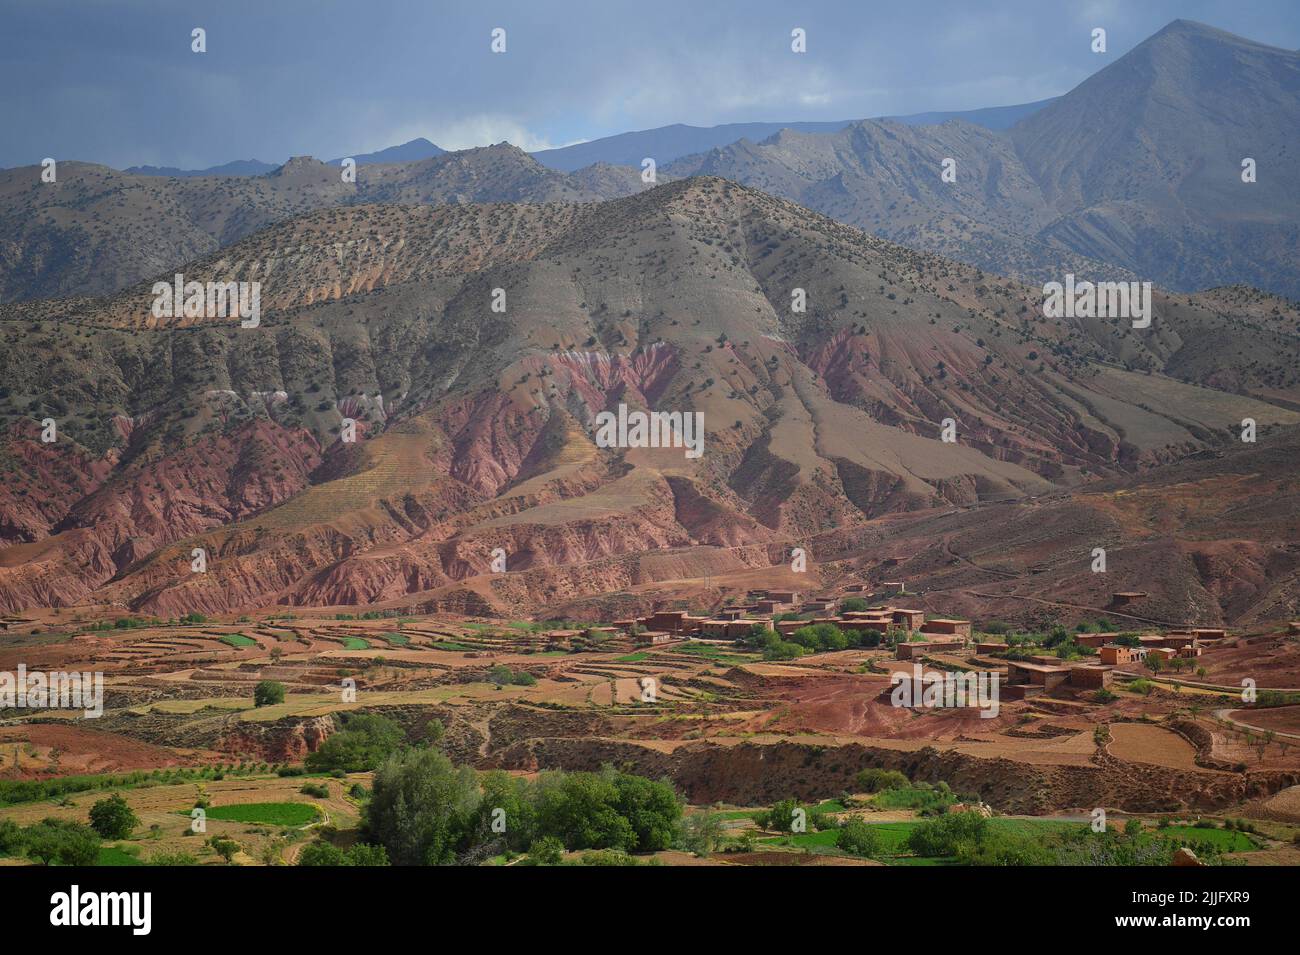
(915, 637)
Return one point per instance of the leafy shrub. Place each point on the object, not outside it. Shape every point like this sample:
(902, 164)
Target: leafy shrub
(365, 741)
(858, 838)
(945, 835)
(268, 693)
(874, 780)
(112, 818)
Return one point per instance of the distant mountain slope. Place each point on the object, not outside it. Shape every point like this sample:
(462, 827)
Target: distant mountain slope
(990, 117)
(412, 151)
(239, 167)
(667, 143)
(96, 230)
(477, 427)
(1135, 173)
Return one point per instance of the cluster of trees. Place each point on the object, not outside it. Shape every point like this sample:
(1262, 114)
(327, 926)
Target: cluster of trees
(502, 675)
(66, 841)
(51, 841)
(362, 744)
(423, 810)
(814, 638)
(321, 853)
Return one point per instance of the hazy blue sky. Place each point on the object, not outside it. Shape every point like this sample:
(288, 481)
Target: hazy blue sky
(116, 82)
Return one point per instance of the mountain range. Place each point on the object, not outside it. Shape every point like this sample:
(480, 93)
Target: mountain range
(473, 312)
(477, 426)
(1136, 174)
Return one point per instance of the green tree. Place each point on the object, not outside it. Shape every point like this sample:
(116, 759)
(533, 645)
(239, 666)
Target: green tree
(422, 808)
(781, 817)
(702, 833)
(874, 780)
(547, 850)
(62, 841)
(112, 818)
(365, 741)
(651, 808)
(946, 834)
(580, 809)
(268, 693)
(226, 848)
(858, 838)
(508, 804)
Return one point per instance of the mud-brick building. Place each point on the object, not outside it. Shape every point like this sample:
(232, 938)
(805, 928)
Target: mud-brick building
(1037, 678)
(949, 628)
(672, 621)
(1091, 677)
(1118, 656)
(918, 649)
(1036, 674)
(908, 619)
(651, 638)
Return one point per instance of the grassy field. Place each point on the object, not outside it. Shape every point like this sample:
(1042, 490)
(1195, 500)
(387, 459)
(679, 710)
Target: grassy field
(355, 643)
(267, 813)
(1229, 840)
(893, 836)
(116, 855)
(716, 653)
(238, 640)
(396, 639)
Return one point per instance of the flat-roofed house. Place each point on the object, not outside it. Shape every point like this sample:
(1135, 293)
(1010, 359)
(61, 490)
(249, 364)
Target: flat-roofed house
(944, 627)
(911, 619)
(651, 638)
(1037, 674)
(1091, 677)
(914, 650)
(1118, 656)
(669, 621)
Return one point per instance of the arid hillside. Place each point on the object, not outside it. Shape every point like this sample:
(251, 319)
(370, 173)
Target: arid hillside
(474, 346)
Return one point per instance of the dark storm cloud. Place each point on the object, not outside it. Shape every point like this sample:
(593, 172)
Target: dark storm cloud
(117, 82)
